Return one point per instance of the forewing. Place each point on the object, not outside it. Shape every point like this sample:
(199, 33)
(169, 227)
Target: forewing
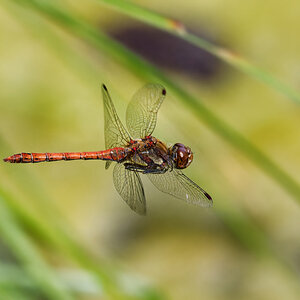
(129, 185)
(141, 114)
(177, 184)
(114, 131)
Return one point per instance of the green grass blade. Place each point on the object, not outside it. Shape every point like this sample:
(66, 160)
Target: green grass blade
(74, 280)
(147, 71)
(28, 255)
(12, 293)
(107, 281)
(178, 29)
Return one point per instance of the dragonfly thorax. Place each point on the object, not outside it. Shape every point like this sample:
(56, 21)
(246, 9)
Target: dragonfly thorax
(182, 156)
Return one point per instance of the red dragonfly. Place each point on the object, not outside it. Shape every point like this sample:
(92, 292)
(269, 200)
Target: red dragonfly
(136, 152)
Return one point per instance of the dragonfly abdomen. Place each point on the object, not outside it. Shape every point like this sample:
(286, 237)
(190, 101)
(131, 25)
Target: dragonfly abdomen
(114, 154)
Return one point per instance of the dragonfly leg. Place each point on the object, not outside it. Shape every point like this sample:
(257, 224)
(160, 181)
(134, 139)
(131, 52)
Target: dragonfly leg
(134, 167)
(152, 168)
(155, 171)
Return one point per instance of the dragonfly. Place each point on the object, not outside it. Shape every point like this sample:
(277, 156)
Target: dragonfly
(136, 152)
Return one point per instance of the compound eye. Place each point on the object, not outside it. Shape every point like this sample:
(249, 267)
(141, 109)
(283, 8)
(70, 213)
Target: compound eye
(182, 156)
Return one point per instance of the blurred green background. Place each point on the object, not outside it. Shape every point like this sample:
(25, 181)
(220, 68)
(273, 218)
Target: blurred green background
(64, 231)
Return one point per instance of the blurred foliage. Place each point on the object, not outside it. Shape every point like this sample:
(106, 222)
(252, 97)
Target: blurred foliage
(61, 229)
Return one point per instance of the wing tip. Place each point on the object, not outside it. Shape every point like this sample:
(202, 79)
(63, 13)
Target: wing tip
(210, 202)
(207, 195)
(104, 87)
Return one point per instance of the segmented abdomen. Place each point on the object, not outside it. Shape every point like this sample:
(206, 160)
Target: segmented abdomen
(114, 154)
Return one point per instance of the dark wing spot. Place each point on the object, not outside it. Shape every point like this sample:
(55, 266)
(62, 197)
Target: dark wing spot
(164, 92)
(207, 196)
(104, 87)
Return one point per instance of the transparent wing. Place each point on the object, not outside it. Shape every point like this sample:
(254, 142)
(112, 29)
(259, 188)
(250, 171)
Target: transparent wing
(114, 131)
(177, 184)
(141, 114)
(129, 185)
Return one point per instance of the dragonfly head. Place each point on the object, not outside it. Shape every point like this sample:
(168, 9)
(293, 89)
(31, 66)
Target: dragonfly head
(182, 156)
